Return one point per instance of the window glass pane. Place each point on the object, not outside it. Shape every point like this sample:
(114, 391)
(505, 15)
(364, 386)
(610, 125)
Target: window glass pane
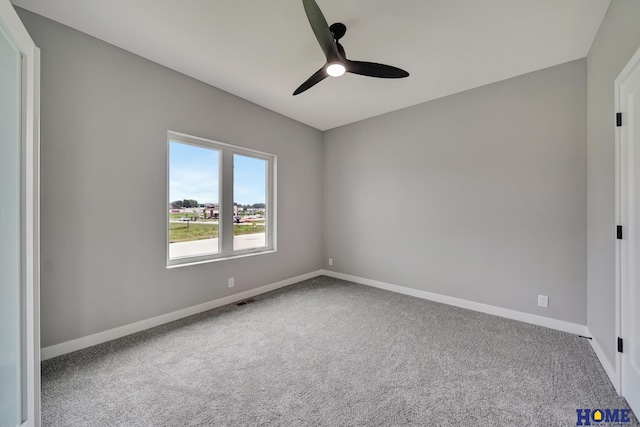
(250, 198)
(193, 200)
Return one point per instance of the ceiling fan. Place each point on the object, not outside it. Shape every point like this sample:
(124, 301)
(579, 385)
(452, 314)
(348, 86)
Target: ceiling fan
(337, 62)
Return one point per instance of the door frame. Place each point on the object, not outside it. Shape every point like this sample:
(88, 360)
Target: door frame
(624, 169)
(30, 205)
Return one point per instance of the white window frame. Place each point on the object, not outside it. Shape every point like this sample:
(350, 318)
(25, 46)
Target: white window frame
(226, 200)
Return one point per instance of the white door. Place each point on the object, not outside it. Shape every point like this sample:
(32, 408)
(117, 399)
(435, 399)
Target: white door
(19, 311)
(628, 136)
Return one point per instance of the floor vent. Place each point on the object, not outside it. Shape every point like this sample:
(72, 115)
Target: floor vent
(247, 301)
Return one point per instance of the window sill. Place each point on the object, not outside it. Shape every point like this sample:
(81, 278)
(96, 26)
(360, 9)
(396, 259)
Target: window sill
(187, 263)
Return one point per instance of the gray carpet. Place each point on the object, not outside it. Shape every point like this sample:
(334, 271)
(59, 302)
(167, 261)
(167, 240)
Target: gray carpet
(325, 352)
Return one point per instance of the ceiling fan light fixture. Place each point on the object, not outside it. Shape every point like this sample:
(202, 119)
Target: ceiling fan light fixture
(336, 69)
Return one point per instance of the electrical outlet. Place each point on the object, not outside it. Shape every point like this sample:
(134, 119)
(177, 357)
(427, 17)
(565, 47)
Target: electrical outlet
(543, 301)
(330, 261)
(231, 282)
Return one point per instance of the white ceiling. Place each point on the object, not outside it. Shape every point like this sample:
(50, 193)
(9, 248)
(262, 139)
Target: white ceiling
(262, 50)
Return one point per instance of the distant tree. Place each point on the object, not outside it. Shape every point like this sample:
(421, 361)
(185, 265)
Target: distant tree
(177, 204)
(190, 203)
(259, 206)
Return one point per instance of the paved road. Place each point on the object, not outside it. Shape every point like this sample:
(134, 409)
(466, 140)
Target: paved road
(207, 246)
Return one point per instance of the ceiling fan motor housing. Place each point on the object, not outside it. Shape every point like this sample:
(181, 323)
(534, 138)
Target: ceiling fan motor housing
(338, 30)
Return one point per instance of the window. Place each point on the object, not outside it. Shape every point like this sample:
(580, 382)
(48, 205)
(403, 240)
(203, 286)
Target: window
(221, 201)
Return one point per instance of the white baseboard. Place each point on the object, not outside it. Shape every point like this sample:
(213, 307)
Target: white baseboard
(111, 334)
(606, 364)
(547, 322)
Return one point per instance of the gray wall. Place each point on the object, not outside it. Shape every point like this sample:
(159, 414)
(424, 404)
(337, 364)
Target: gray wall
(479, 195)
(616, 42)
(105, 114)
(496, 174)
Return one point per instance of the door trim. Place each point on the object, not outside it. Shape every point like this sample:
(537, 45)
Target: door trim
(30, 167)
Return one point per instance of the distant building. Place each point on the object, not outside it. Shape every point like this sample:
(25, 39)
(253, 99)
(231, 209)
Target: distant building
(211, 211)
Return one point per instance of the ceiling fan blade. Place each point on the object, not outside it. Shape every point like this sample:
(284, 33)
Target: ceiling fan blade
(321, 30)
(373, 69)
(319, 75)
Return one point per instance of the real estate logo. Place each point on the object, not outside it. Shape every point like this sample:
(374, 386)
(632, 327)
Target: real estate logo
(603, 417)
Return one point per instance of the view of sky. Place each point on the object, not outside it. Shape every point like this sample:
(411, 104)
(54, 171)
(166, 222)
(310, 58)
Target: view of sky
(193, 174)
(249, 180)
